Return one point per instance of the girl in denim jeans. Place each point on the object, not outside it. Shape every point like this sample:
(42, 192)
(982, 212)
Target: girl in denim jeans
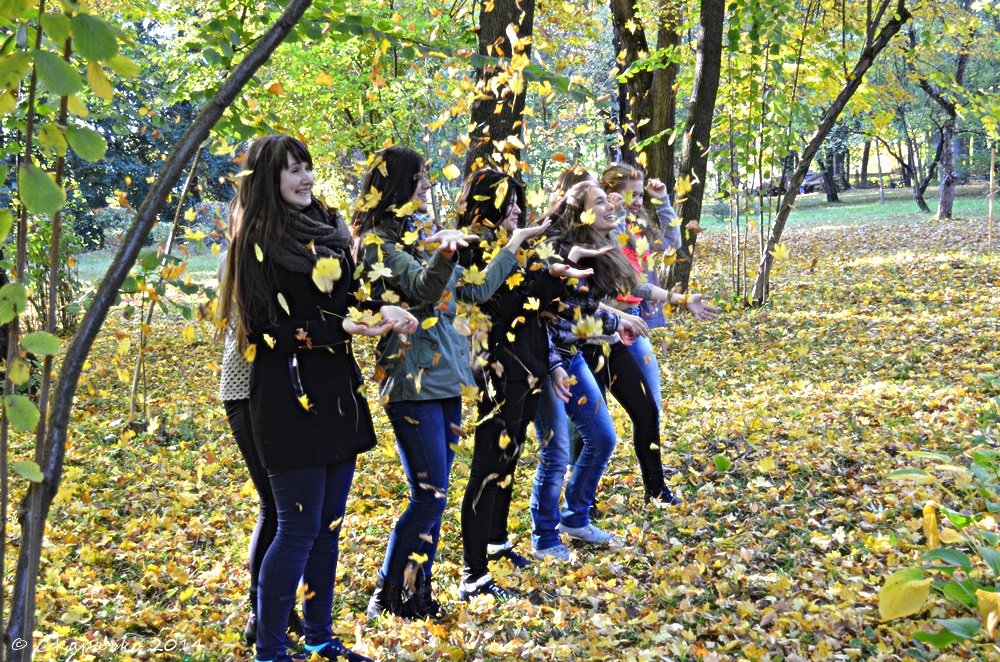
(422, 376)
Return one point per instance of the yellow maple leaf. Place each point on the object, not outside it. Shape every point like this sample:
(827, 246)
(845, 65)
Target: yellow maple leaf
(780, 252)
(683, 186)
(364, 317)
(250, 353)
(379, 270)
(304, 401)
(473, 276)
(428, 322)
(451, 172)
(323, 78)
(270, 340)
(515, 279)
(587, 217)
(500, 194)
(531, 304)
(326, 272)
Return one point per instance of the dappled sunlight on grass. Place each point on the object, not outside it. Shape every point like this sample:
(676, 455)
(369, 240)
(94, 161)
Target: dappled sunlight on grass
(876, 349)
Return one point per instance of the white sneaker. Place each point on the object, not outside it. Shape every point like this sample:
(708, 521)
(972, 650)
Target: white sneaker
(557, 553)
(591, 534)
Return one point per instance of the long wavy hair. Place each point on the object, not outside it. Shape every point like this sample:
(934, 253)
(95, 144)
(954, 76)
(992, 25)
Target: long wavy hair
(613, 180)
(260, 216)
(480, 211)
(392, 178)
(613, 273)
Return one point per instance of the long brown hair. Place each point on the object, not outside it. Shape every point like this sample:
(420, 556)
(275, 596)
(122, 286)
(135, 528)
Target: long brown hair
(613, 180)
(480, 211)
(261, 216)
(613, 273)
(392, 178)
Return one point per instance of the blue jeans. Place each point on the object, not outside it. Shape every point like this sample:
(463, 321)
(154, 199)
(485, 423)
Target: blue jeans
(425, 439)
(551, 429)
(308, 501)
(589, 413)
(645, 356)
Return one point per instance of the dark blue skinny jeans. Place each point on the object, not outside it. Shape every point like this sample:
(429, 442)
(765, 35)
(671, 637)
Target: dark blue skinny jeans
(310, 501)
(426, 441)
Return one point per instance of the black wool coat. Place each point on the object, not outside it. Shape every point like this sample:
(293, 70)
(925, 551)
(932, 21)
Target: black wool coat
(306, 401)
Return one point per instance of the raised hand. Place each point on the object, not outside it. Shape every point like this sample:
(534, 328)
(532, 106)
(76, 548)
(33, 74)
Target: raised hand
(450, 241)
(560, 270)
(656, 189)
(699, 308)
(520, 235)
(578, 253)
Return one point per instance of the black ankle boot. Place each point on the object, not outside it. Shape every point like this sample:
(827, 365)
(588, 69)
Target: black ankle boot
(295, 625)
(388, 597)
(423, 600)
(250, 631)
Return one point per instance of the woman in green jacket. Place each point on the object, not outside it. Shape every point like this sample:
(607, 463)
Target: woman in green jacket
(421, 376)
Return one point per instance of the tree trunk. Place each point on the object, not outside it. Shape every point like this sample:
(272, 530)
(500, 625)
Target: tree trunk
(647, 97)
(911, 170)
(762, 284)
(498, 112)
(829, 181)
(36, 504)
(949, 167)
(865, 155)
(698, 133)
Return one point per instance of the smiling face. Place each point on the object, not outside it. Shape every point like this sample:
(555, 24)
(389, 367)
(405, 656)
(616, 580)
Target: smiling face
(605, 219)
(631, 190)
(423, 184)
(513, 215)
(296, 183)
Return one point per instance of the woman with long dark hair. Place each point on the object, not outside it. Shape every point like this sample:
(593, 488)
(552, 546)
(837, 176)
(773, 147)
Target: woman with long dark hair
(289, 283)
(422, 378)
(582, 326)
(516, 358)
(644, 239)
(234, 391)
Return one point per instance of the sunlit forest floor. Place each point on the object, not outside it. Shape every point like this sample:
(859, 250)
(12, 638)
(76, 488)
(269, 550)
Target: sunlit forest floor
(875, 342)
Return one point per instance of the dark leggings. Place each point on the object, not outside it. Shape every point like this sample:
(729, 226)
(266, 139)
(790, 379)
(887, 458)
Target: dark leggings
(486, 505)
(238, 415)
(619, 373)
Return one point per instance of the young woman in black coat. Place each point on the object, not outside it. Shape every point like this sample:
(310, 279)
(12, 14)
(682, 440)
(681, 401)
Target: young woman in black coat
(517, 358)
(289, 280)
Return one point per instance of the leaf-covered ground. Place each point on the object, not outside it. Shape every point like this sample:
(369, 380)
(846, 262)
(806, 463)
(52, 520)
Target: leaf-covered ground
(874, 345)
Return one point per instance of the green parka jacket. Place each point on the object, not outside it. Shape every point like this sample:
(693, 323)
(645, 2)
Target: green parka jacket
(433, 362)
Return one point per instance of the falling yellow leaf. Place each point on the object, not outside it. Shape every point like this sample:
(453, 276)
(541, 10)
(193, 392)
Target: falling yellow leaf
(326, 273)
(428, 322)
(587, 327)
(781, 252)
(270, 340)
(250, 353)
(451, 172)
(304, 401)
(473, 276)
